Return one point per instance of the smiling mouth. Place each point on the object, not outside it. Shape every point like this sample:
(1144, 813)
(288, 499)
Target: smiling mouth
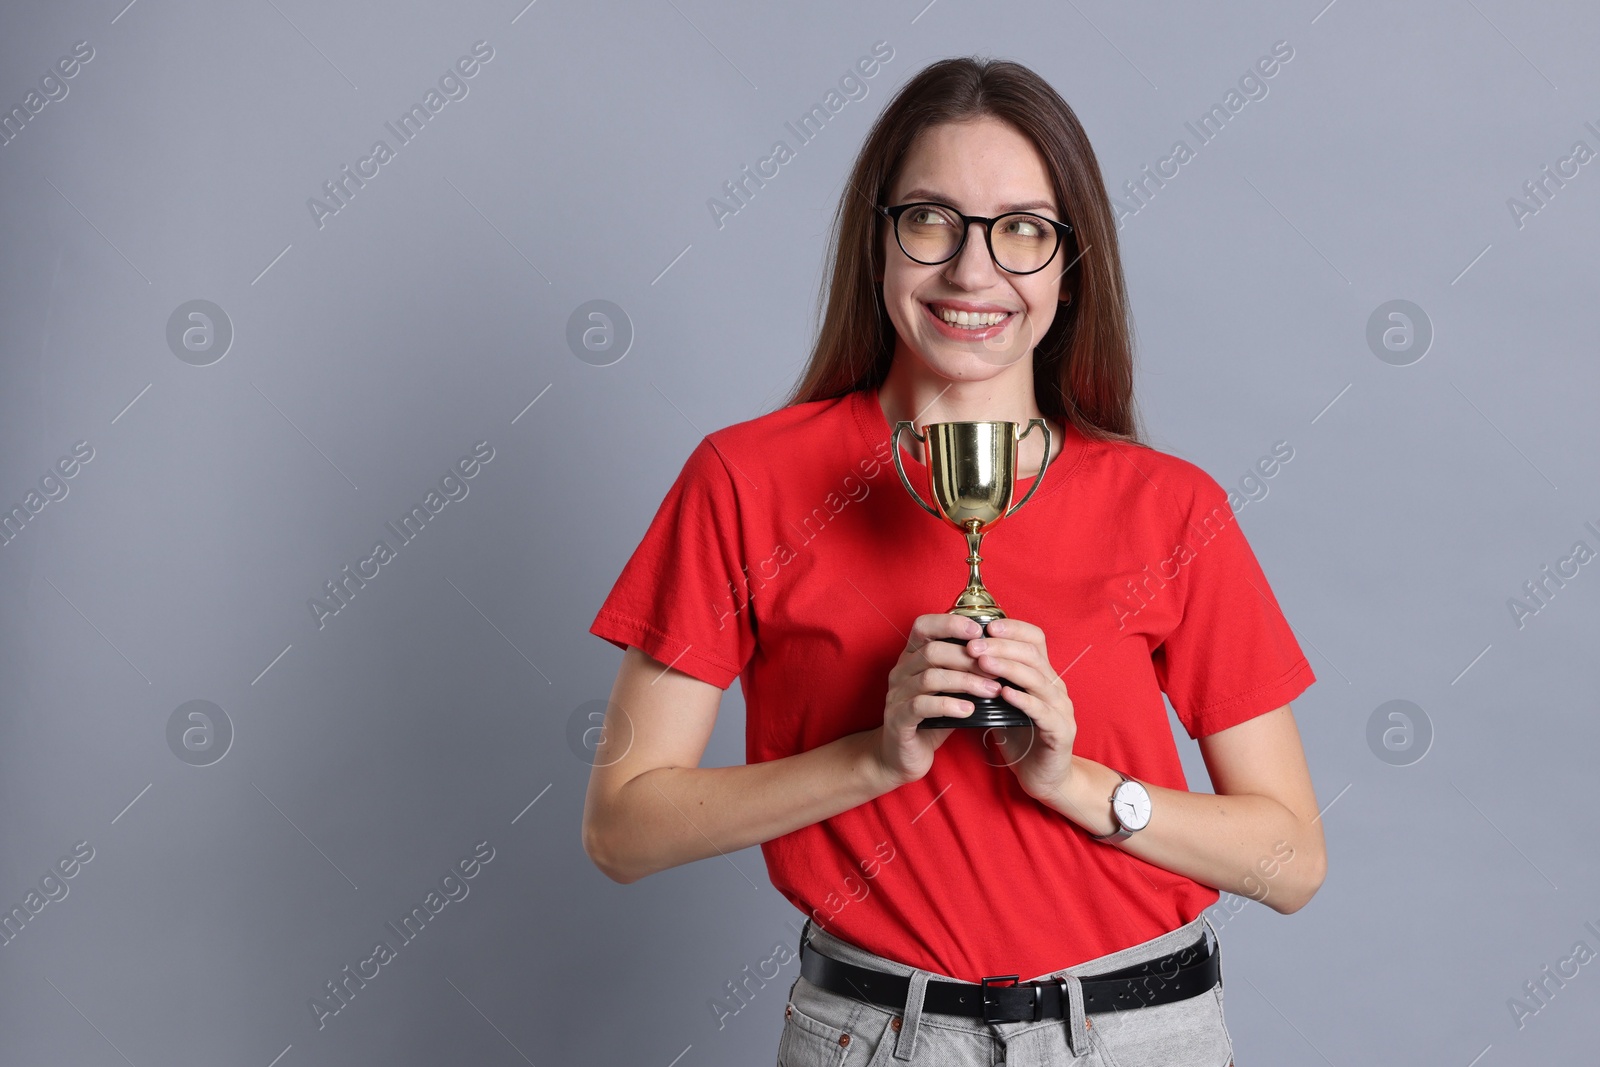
(968, 320)
(974, 322)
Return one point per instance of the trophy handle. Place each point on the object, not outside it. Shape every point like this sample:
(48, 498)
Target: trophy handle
(894, 446)
(1040, 476)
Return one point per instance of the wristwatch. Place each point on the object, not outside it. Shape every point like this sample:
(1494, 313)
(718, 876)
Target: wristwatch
(1130, 807)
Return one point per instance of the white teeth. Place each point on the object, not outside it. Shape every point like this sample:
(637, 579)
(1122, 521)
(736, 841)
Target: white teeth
(971, 318)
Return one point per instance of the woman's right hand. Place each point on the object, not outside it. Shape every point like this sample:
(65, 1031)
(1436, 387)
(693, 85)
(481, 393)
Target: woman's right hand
(927, 667)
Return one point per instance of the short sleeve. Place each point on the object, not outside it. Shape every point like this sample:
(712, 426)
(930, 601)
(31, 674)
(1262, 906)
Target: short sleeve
(1232, 655)
(682, 597)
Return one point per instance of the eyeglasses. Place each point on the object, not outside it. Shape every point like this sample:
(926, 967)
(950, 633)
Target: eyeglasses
(1020, 242)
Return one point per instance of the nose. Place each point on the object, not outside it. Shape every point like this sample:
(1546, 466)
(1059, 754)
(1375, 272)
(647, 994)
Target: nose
(973, 267)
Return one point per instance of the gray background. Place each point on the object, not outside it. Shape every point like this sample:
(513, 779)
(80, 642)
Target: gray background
(430, 312)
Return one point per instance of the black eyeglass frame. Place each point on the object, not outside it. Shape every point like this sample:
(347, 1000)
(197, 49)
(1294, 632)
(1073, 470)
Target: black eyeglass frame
(1063, 233)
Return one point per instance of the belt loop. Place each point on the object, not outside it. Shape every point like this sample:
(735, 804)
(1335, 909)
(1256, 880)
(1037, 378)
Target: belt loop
(1077, 1022)
(906, 1039)
(1217, 946)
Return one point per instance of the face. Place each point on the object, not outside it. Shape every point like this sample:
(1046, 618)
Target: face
(982, 167)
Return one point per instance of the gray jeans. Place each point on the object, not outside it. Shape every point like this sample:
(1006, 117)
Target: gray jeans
(826, 1029)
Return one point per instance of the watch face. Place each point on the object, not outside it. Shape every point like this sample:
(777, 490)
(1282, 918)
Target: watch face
(1132, 805)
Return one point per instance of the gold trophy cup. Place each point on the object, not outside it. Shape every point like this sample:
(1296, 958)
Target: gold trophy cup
(972, 474)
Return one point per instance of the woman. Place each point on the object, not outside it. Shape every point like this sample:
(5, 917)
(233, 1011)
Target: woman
(936, 866)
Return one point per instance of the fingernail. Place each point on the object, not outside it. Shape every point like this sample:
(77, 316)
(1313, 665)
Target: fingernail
(997, 627)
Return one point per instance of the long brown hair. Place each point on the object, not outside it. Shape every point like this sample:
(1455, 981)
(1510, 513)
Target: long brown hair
(1083, 366)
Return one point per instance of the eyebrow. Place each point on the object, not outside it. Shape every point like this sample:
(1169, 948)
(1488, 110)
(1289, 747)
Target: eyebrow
(920, 194)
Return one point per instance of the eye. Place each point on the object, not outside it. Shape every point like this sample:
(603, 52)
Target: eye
(927, 216)
(1025, 226)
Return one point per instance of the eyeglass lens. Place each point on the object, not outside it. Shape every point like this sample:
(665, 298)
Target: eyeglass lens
(1022, 243)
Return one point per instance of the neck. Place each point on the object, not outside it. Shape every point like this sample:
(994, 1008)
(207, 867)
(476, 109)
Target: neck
(912, 392)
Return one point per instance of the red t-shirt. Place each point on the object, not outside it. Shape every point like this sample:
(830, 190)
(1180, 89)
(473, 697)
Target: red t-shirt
(788, 555)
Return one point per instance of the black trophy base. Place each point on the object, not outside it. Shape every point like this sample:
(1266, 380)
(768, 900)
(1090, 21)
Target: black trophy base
(987, 712)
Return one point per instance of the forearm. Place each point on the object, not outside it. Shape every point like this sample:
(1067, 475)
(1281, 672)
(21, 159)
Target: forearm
(670, 816)
(1245, 844)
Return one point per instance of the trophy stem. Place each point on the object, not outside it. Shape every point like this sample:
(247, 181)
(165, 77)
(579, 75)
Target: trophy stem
(975, 601)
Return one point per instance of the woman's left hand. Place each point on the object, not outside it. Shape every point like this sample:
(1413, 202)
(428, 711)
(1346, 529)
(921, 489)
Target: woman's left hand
(1040, 757)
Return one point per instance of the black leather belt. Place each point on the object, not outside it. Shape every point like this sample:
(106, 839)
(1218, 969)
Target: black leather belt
(1177, 976)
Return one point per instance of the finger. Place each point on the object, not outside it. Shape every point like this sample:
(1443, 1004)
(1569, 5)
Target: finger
(946, 624)
(946, 654)
(941, 624)
(1046, 719)
(1025, 651)
(932, 706)
(942, 679)
(1016, 629)
(1049, 720)
(1022, 673)
(1026, 702)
